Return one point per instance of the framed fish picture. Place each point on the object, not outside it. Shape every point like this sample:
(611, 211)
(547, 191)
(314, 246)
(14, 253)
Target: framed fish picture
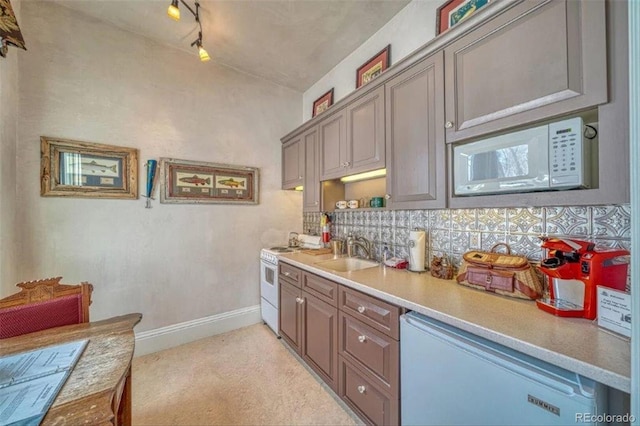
(71, 168)
(196, 182)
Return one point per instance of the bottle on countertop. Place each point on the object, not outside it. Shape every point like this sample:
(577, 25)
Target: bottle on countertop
(325, 227)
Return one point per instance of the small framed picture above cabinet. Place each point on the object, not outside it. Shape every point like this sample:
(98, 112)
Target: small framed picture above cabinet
(373, 67)
(452, 12)
(322, 103)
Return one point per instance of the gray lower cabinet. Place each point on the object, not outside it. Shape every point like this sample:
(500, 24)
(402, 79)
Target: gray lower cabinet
(369, 357)
(290, 314)
(309, 321)
(292, 163)
(539, 59)
(311, 192)
(350, 339)
(416, 172)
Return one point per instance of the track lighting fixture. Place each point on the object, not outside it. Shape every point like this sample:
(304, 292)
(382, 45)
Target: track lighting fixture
(174, 13)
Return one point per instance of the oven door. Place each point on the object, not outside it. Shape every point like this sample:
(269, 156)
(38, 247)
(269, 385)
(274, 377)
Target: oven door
(269, 282)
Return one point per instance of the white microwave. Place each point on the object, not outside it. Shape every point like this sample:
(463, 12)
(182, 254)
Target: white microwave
(550, 157)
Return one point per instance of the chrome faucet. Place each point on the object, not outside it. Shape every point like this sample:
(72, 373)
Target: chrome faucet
(362, 242)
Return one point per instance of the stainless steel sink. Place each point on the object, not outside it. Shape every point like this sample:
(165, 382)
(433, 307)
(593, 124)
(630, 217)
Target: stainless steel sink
(346, 264)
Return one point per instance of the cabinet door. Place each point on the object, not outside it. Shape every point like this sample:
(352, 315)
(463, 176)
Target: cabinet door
(365, 133)
(332, 134)
(292, 163)
(311, 194)
(289, 312)
(320, 338)
(415, 136)
(537, 60)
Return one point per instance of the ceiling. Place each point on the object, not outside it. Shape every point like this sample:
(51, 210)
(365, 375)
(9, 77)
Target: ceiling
(290, 42)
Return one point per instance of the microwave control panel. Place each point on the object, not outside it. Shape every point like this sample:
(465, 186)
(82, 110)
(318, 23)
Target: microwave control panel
(567, 154)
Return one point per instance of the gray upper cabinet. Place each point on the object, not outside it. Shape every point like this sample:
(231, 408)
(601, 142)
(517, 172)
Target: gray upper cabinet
(352, 140)
(311, 193)
(416, 175)
(292, 163)
(365, 133)
(332, 140)
(537, 60)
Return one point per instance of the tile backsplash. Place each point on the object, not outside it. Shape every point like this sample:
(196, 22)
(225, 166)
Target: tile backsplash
(455, 231)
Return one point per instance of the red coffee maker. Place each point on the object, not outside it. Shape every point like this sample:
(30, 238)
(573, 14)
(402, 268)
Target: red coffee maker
(574, 268)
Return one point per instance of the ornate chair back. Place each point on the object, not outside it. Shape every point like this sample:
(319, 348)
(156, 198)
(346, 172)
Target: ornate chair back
(44, 304)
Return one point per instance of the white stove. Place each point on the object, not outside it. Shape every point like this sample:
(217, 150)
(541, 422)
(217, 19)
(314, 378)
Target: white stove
(269, 289)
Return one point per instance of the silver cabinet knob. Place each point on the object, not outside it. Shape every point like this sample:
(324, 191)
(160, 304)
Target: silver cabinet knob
(387, 196)
(361, 389)
(299, 300)
(315, 203)
(448, 124)
(300, 177)
(347, 163)
(286, 274)
(361, 309)
(362, 338)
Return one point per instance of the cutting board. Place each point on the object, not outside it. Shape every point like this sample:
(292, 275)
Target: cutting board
(315, 252)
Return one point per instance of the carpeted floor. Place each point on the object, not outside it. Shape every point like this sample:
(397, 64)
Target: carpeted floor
(244, 377)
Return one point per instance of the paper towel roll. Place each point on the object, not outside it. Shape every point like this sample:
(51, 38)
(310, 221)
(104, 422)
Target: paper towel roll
(417, 247)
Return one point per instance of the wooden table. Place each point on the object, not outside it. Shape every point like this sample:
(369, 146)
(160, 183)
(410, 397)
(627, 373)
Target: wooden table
(98, 391)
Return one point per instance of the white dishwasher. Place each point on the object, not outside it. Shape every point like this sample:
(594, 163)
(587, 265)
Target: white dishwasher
(451, 377)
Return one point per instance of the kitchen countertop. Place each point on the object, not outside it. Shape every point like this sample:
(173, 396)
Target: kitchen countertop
(575, 344)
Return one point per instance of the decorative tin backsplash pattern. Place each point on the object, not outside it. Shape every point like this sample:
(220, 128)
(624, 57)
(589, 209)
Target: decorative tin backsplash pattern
(455, 231)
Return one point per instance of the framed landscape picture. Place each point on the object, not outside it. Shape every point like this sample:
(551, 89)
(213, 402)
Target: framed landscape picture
(196, 182)
(453, 12)
(83, 169)
(323, 103)
(373, 67)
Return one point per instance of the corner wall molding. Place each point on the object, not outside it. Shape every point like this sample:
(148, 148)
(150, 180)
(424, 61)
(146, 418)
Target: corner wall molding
(178, 334)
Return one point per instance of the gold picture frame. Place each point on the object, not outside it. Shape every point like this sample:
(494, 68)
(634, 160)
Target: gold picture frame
(71, 168)
(197, 182)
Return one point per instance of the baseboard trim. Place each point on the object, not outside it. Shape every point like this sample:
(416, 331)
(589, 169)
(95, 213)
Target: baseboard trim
(178, 334)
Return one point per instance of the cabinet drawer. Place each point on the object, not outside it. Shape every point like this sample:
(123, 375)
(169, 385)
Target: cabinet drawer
(372, 404)
(320, 287)
(380, 315)
(291, 273)
(371, 350)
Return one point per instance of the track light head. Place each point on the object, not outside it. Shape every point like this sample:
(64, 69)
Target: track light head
(204, 56)
(173, 11)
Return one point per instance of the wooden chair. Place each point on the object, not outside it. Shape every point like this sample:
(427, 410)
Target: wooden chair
(44, 304)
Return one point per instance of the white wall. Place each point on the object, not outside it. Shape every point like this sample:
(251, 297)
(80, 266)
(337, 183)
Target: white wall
(87, 80)
(411, 28)
(8, 134)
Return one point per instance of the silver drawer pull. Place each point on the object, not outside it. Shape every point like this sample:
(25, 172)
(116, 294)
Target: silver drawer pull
(362, 338)
(361, 389)
(300, 300)
(448, 124)
(286, 274)
(361, 309)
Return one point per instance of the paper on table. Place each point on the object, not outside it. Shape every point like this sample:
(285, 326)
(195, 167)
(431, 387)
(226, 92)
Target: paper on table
(30, 381)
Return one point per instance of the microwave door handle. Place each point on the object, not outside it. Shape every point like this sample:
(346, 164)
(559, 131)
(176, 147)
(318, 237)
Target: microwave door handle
(516, 184)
